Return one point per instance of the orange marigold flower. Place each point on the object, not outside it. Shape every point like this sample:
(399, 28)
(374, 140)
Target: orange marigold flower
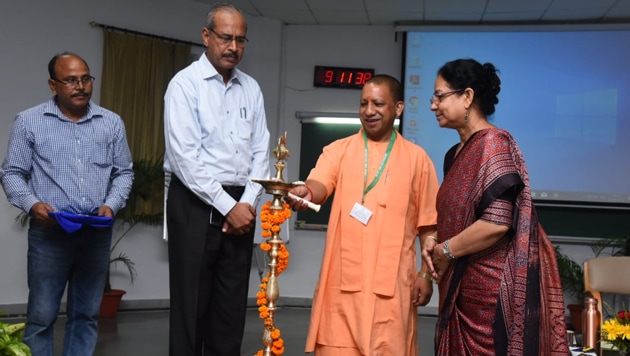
(275, 334)
(262, 301)
(263, 311)
(271, 219)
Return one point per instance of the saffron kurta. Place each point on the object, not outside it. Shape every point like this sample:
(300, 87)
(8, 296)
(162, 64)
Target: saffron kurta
(363, 297)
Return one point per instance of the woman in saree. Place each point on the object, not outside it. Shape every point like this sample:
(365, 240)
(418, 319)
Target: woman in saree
(499, 288)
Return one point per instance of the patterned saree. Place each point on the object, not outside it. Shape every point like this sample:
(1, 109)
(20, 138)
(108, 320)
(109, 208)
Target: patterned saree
(506, 299)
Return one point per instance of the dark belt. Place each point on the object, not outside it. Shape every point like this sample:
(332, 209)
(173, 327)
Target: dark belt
(235, 191)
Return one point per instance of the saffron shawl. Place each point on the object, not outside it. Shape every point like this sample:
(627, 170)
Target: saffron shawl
(527, 317)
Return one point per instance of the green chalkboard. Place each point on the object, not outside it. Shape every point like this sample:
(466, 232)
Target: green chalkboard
(314, 137)
(584, 222)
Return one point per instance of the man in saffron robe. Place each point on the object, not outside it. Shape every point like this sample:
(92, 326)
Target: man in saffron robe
(500, 292)
(385, 187)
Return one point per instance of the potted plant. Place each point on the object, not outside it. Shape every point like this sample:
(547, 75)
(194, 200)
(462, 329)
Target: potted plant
(144, 206)
(11, 340)
(572, 274)
(572, 278)
(112, 297)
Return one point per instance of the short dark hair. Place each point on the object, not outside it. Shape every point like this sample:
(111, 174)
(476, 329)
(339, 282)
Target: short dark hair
(483, 79)
(53, 61)
(224, 6)
(394, 85)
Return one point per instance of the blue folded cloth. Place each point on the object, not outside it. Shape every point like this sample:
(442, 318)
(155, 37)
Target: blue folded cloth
(71, 222)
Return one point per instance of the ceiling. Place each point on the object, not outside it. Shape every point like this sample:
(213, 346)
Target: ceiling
(436, 12)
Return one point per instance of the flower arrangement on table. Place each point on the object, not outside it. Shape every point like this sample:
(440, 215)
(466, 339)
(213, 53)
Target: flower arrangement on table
(270, 223)
(617, 331)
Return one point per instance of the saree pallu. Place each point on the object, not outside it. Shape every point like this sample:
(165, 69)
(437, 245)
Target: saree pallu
(507, 299)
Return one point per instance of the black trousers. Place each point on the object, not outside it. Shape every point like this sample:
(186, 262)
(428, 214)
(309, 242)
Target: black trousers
(209, 277)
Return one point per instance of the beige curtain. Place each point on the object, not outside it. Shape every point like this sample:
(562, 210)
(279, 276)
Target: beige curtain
(136, 72)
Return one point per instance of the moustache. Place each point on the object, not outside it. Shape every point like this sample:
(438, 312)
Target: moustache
(79, 93)
(233, 55)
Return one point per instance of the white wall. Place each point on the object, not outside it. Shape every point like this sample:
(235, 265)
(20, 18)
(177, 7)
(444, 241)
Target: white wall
(32, 31)
(280, 57)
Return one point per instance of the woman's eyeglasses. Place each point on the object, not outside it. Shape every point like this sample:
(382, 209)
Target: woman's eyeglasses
(437, 97)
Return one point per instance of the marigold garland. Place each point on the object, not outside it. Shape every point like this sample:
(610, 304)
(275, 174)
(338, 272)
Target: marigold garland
(270, 223)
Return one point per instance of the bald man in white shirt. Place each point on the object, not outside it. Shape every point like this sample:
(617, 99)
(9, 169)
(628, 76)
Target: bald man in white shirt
(216, 140)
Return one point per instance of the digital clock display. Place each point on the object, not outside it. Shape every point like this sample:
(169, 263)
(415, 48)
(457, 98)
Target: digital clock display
(341, 77)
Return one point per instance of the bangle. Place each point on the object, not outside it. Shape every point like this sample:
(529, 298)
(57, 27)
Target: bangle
(310, 191)
(433, 238)
(447, 251)
(425, 276)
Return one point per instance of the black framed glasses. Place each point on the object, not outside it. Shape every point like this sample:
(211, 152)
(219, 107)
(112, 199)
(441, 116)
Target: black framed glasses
(226, 39)
(437, 97)
(74, 82)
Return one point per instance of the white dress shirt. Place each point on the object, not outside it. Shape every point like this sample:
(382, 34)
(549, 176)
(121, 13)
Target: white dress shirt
(216, 134)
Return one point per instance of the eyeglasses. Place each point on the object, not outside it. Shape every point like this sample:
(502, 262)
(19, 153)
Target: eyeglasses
(74, 82)
(227, 39)
(437, 97)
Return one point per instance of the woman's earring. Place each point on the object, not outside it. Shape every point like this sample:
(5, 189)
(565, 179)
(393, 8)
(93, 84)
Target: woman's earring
(466, 116)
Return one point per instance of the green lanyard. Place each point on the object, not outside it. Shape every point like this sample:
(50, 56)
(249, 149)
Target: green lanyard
(380, 168)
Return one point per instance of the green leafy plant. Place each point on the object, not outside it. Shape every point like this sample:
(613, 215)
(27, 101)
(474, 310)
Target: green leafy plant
(144, 206)
(572, 273)
(11, 340)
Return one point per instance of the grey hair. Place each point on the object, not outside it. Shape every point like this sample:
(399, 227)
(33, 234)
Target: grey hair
(224, 6)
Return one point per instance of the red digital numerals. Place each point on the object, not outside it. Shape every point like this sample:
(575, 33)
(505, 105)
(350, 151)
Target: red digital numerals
(341, 77)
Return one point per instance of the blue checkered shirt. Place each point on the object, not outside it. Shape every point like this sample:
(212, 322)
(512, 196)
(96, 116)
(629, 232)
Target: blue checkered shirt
(74, 167)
